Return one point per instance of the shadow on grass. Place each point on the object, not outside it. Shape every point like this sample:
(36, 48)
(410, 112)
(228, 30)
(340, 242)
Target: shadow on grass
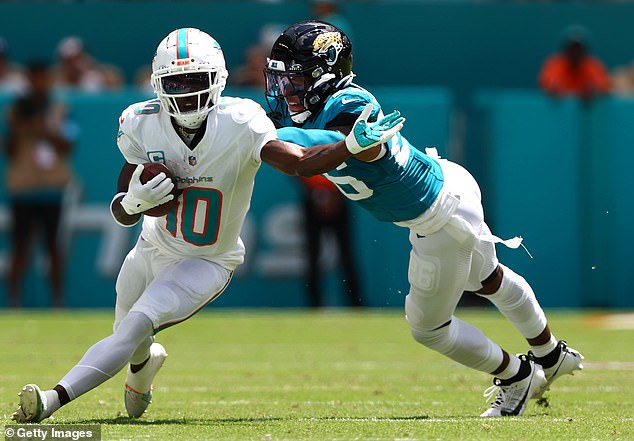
(237, 421)
(158, 422)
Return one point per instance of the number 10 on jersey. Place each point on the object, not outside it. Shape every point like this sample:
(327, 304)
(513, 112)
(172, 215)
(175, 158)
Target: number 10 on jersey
(198, 216)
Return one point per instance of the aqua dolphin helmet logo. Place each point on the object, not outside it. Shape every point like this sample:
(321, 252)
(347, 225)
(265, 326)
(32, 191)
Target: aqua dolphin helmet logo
(328, 46)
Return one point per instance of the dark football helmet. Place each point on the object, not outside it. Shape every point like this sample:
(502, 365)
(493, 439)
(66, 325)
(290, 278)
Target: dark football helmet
(309, 61)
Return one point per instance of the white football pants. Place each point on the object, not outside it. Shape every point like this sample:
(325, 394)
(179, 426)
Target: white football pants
(167, 289)
(154, 291)
(443, 265)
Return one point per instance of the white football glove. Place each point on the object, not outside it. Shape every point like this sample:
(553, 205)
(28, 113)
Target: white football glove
(141, 197)
(365, 135)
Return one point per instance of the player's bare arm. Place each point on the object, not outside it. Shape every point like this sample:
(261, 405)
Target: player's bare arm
(295, 160)
(364, 141)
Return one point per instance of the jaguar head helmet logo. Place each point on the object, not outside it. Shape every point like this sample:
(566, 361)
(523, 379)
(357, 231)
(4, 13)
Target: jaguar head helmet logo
(328, 46)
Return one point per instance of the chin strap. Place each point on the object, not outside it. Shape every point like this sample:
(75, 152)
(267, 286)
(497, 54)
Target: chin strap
(190, 122)
(345, 81)
(300, 118)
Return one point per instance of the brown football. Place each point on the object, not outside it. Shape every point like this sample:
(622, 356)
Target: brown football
(151, 169)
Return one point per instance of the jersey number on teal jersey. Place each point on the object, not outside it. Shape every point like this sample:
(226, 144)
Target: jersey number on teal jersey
(346, 183)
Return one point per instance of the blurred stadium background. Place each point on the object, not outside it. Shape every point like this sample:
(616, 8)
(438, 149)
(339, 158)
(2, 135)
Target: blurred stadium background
(464, 73)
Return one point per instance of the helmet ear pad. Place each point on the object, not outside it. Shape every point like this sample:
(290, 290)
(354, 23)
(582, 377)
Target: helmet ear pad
(317, 94)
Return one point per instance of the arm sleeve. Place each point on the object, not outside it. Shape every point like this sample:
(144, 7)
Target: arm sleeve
(308, 137)
(131, 151)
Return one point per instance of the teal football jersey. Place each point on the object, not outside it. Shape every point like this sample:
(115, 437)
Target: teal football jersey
(398, 187)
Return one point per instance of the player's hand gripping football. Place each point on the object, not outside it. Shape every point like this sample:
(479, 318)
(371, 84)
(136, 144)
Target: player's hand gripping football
(141, 197)
(365, 135)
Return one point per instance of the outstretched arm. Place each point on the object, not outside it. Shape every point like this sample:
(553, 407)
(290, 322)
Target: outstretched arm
(328, 148)
(295, 160)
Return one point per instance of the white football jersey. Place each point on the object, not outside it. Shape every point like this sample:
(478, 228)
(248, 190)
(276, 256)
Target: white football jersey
(216, 177)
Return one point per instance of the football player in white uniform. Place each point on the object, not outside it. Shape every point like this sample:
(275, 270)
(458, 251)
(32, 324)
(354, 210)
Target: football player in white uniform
(183, 260)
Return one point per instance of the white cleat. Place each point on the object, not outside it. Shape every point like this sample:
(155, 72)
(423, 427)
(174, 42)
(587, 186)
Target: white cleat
(138, 386)
(569, 361)
(31, 407)
(511, 399)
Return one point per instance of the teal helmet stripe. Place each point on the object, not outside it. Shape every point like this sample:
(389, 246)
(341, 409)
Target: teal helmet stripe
(181, 44)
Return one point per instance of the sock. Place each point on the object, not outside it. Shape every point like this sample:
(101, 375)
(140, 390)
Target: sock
(511, 369)
(523, 372)
(545, 349)
(550, 355)
(62, 394)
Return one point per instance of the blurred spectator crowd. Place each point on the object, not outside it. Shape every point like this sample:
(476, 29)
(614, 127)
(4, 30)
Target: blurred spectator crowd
(570, 70)
(73, 67)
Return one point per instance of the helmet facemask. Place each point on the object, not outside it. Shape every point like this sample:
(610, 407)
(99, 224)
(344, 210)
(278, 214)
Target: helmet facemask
(288, 89)
(188, 97)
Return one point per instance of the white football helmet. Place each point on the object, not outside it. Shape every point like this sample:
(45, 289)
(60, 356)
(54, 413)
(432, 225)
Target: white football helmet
(188, 74)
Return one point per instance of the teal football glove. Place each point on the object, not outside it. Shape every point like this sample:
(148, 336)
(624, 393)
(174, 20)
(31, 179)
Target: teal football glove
(365, 135)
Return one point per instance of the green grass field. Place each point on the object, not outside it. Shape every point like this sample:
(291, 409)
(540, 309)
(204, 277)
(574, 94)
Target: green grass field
(323, 375)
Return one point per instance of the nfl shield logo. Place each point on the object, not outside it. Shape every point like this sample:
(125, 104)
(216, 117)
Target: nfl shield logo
(192, 160)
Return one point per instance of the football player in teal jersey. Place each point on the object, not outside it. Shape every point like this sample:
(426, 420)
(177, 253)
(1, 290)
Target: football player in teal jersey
(313, 100)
